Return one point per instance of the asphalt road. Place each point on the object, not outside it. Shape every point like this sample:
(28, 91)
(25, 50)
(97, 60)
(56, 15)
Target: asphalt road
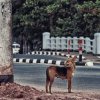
(86, 78)
(39, 57)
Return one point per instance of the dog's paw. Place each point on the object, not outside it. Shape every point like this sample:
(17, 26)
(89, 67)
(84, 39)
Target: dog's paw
(73, 74)
(69, 92)
(48, 94)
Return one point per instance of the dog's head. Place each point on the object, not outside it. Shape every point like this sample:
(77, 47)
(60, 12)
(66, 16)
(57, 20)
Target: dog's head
(70, 62)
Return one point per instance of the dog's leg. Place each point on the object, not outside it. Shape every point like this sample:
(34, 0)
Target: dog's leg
(47, 84)
(47, 80)
(51, 82)
(69, 85)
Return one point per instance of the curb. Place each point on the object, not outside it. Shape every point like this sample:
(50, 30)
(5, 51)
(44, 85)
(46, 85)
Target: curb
(44, 61)
(53, 53)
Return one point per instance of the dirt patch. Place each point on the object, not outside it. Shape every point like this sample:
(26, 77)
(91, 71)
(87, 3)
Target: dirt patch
(13, 91)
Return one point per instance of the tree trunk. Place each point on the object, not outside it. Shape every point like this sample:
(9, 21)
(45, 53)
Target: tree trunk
(51, 24)
(6, 61)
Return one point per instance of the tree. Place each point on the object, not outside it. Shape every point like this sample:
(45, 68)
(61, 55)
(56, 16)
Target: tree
(90, 16)
(59, 17)
(29, 22)
(6, 65)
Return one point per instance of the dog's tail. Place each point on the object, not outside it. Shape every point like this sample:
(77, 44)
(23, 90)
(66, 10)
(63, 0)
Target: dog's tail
(47, 74)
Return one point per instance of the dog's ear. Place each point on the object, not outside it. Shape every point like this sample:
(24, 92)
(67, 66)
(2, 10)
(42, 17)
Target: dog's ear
(69, 56)
(65, 62)
(74, 58)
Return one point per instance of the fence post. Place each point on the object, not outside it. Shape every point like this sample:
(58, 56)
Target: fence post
(69, 44)
(97, 43)
(94, 47)
(58, 43)
(63, 43)
(80, 49)
(53, 43)
(87, 45)
(46, 35)
(75, 44)
(82, 38)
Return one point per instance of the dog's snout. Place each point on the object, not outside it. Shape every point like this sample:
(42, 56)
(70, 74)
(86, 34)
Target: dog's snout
(67, 64)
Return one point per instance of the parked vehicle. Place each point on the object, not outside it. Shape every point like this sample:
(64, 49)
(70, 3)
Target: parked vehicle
(15, 47)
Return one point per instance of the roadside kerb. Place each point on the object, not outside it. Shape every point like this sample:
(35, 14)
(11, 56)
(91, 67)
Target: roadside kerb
(44, 61)
(53, 53)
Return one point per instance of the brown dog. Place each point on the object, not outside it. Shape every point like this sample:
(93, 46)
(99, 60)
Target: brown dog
(65, 72)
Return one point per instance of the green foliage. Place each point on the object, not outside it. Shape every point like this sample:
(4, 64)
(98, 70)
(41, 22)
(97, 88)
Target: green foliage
(91, 17)
(60, 17)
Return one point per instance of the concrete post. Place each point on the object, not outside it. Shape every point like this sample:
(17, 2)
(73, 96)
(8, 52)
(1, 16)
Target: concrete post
(94, 47)
(82, 38)
(75, 43)
(63, 43)
(80, 49)
(46, 36)
(87, 45)
(58, 43)
(97, 43)
(53, 43)
(69, 44)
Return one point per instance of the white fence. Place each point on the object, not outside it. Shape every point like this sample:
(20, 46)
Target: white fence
(62, 43)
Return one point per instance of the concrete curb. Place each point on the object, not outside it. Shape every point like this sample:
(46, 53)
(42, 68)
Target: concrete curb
(53, 53)
(44, 61)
